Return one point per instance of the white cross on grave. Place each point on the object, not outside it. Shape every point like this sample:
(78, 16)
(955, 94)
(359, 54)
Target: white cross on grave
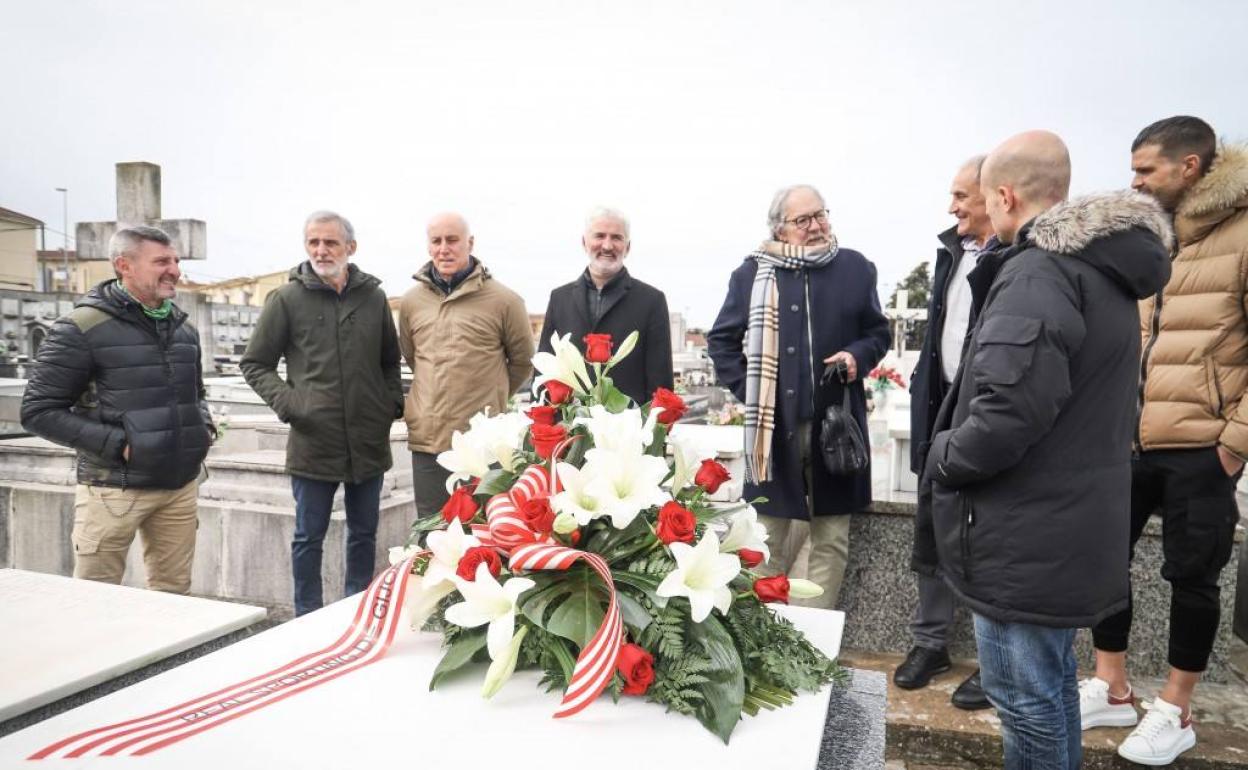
(902, 315)
(138, 203)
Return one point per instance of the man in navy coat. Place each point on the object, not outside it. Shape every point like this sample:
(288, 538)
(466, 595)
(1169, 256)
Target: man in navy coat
(824, 302)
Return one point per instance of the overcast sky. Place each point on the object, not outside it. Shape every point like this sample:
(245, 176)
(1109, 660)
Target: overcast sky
(523, 115)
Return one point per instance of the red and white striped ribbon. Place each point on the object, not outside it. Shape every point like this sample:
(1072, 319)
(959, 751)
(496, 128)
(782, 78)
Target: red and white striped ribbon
(596, 664)
(507, 526)
(365, 641)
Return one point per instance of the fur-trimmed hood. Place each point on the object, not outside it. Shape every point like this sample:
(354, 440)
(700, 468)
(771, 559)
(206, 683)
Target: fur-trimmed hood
(1126, 235)
(1224, 187)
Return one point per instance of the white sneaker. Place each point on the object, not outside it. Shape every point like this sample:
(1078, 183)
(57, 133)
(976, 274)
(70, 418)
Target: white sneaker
(1097, 708)
(1162, 736)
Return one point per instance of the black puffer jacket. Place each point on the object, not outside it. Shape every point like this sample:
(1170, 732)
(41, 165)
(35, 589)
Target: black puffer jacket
(1029, 471)
(107, 376)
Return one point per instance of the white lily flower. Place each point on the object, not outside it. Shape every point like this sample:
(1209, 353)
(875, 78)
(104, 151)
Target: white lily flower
(502, 668)
(466, 459)
(566, 365)
(625, 348)
(746, 531)
(622, 432)
(702, 573)
(422, 599)
(625, 483)
(448, 546)
(485, 601)
(399, 553)
(576, 499)
(499, 437)
(804, 589)
(689, 449)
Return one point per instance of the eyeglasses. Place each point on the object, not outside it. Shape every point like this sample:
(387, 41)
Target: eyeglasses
(804, 221)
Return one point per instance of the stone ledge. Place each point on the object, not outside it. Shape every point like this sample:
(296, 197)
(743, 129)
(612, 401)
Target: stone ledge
(924, 729)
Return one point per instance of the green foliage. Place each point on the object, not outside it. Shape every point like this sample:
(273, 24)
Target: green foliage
(459, 652)
(495, 481)
(665, 636)
(676, 683)
(723, 692)
(775, 654)
(549, 653)
(426, 524)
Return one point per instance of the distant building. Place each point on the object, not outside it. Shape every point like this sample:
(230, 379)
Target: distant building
(19, 241)
(247, 290)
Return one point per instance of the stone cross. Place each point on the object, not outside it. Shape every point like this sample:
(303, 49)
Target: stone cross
(902, 315)
(138, 203)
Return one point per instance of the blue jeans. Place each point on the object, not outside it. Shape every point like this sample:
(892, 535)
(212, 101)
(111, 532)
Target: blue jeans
(1028, 672)
(313, 501)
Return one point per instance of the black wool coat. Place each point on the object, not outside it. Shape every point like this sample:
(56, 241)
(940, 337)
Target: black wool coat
(107, 377)
(845, 315)
(628, 305)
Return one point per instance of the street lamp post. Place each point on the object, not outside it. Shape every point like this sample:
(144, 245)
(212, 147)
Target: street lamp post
(64, 191)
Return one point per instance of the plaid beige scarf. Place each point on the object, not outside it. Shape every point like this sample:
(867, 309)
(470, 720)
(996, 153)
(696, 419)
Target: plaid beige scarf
(762, 347)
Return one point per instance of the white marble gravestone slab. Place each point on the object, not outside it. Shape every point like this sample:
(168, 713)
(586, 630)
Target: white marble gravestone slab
(59, 636)
(384, 715)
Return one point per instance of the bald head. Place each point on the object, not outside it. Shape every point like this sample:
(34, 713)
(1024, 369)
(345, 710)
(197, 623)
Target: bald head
(1027, 174)
(450, 243)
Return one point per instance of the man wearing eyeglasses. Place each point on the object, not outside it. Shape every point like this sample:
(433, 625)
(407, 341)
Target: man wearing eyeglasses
(770, 349)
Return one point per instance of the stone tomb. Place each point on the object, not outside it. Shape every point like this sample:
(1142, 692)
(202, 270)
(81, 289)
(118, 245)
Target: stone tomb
(62, 636)
(384, 712)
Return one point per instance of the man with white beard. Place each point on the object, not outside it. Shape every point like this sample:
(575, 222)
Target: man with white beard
(341, 395)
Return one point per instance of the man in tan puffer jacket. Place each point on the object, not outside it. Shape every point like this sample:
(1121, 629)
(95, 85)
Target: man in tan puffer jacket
(1193, 432)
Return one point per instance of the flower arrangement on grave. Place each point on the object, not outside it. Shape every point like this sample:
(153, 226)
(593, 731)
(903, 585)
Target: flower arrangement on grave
(572, 544)
(732, 413)
(883, 378)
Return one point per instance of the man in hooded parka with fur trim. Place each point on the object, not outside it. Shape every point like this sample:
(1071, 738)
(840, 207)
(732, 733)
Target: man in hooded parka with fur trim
(1030, 462)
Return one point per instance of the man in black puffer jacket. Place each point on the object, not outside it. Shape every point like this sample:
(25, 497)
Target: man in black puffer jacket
(119, 379)
(1029, 471)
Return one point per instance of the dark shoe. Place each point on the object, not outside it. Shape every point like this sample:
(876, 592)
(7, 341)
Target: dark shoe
(970, 694)
(920, 666)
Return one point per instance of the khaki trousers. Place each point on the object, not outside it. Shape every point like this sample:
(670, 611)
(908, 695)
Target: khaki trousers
(106, 518)
(829, 552)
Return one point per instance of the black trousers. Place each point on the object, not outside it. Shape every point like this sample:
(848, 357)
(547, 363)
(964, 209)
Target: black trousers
(428, 483)
(1196, 500)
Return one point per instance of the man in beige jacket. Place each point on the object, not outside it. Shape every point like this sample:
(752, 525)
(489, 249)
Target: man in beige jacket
(1193, 430)
(468, 342)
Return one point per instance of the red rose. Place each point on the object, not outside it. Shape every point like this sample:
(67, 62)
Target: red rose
(750, 559)
(710, 476)
(597, 348)
(461, 505)
(637, 667)
(772, 589)
(557, 392)
(673, 406)
(676, 524)
(543, 415)
(480, 554)
(545, 438)
(538, 514)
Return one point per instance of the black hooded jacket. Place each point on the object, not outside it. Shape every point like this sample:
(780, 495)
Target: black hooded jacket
(107, 376)
(1028, 479)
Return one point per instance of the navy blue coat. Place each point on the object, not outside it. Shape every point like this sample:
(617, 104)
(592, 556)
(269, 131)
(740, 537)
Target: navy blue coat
(846, 316)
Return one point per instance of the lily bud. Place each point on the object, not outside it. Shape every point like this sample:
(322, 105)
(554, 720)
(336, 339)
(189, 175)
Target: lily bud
(804, 589)
(565, 524)
(502, 669)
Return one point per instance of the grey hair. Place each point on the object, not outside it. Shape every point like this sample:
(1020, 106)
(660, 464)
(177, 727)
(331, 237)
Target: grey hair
(976, 162)
(127, 239)
(775, 214)
(603, 212)
(316, 217)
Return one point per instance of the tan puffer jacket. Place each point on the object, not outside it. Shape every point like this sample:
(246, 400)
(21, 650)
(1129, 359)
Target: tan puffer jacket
(468, 352)
(1195, 353)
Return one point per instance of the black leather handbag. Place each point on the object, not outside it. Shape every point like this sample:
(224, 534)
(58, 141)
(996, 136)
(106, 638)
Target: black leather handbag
(840, 439)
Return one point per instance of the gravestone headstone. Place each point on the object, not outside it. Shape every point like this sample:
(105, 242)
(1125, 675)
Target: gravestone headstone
(138, 203)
